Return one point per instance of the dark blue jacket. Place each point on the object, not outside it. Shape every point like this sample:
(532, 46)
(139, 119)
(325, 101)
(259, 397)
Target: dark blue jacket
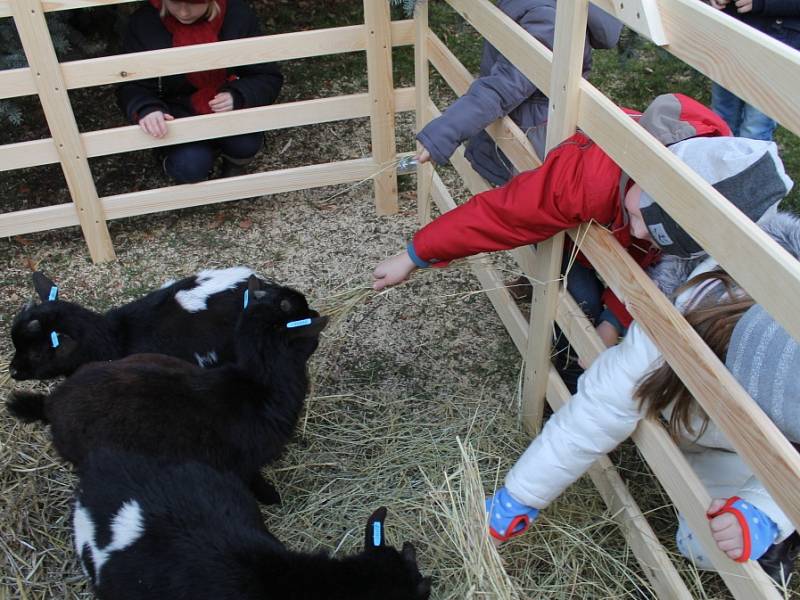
(770, 15)
(501, 89)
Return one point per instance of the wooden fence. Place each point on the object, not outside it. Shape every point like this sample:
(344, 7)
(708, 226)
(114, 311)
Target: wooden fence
(759, 69)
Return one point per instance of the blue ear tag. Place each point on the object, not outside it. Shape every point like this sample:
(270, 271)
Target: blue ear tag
(54, 339)
(300, 323)
(377, 534)
(53, 294)
(246, 298)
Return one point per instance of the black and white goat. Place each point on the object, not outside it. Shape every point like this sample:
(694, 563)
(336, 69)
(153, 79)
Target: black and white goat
(146, 530)
(236, 418)
(191, 319)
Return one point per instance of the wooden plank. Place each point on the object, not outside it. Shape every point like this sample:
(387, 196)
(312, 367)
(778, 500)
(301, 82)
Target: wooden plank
(5, 5)
(35, 37)
(422, 85)
(195, 194)
(760, 444)
(382, 118)
(170, 61)
(528, 54)
(750, 63)
(642, 16)
(570, 35)
(263, 118)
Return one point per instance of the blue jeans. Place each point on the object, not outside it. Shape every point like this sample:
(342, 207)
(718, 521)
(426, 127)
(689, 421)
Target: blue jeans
(192, 162)
(743, 119)
(587, 290)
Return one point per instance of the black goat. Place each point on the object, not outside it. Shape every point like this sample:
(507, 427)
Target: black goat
(236, 418)
(191, 319)
(146, 530)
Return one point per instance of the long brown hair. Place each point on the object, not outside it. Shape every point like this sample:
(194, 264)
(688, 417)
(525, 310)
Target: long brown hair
(714, 321)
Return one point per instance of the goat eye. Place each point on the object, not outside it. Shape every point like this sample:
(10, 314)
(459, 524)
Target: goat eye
(286, 306)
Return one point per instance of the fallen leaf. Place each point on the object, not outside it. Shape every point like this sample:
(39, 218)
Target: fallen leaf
(245, 223)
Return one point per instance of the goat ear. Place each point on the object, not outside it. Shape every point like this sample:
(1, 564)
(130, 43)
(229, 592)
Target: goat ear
(66, 344)
(374, 535)
(45, 288)
(253, 284)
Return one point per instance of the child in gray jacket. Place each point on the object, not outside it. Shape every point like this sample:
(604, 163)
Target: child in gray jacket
(501, 89)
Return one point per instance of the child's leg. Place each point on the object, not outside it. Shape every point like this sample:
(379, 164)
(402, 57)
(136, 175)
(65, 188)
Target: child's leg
(728, 106)
(756, 125)
(189, 163)
(241, 147)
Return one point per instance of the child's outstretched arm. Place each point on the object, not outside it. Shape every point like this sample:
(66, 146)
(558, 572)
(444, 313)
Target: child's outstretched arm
(601, 415)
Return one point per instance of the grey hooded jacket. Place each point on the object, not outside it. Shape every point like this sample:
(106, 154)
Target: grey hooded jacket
(502, 89)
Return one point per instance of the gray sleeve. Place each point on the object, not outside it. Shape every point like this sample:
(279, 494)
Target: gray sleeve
(604, 30)
(490, 97)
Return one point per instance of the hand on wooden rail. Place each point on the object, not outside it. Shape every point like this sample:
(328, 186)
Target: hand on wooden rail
(155, 123)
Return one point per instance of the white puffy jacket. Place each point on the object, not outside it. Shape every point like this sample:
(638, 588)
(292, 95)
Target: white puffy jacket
(603, 413)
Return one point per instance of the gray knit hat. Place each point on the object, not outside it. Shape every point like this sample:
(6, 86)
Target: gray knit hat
(747, 172)
(765, 360)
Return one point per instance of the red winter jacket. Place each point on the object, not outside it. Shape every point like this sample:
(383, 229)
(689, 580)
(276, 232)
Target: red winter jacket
(577, 183)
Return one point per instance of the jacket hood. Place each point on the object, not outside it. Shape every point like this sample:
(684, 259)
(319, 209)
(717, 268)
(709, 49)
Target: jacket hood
(748, 173)
(672, 271)
(672, 118)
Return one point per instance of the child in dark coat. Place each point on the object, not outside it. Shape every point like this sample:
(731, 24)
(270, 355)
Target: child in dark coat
(152, 103)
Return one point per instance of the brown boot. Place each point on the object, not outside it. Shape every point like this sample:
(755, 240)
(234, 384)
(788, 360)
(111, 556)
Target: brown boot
(520, 289)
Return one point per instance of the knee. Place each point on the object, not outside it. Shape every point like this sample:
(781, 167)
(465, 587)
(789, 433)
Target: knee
(242, 146)
(189, 165)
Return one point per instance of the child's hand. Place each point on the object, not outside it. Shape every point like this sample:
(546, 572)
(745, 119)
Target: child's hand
(423, 156)
(725, 530)
(608, 333)
(155, 123)
(508, 517)
(222, 102)
(392, 271)
(740, 529)
(744, 6)
(719, 4)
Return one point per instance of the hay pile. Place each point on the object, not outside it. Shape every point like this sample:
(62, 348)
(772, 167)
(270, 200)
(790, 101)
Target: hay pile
(413, 404)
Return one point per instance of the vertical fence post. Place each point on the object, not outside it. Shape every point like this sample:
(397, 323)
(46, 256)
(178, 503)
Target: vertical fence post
(570, 36)
(422, 86)
(35, 37)
(377, 18)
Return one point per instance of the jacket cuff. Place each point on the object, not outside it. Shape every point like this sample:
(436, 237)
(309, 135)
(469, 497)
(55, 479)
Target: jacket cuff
(422, 264)
(439, 156)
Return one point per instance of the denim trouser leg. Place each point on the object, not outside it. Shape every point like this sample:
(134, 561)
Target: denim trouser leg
(756, 125)
(585, 288)
(241, 146)
(189, 163)
(728, 106)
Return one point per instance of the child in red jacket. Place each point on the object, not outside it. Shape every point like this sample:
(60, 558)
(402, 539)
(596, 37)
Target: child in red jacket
(579, 183)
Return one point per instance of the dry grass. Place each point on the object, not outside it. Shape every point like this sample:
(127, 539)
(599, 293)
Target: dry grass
(400, 378)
